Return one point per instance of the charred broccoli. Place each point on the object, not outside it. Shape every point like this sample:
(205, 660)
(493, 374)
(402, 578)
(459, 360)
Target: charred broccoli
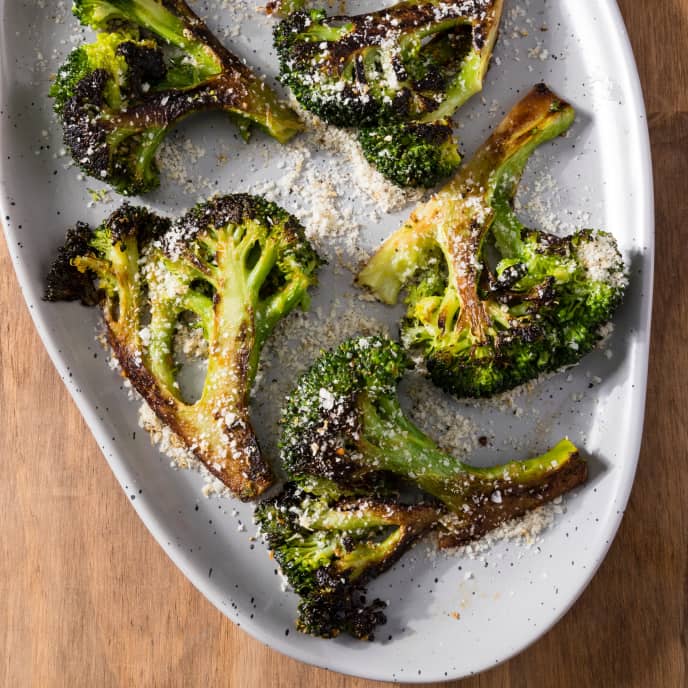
(486, 325)
(235, 265)
(343, 423)
(329, 544)
(412, 153)
(414, 62)
(411, 61)
(153, 63)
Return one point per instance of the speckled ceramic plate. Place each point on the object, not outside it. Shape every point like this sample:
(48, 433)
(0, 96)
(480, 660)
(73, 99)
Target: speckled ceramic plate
(449, 616)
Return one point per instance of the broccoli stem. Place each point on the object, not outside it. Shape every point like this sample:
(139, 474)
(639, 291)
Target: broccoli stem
(232, 336)
(367, 555)
(396, 261)
(149, 122)
(230, 92)
(272, 311)
(321, 32)
(390, 442)
(507, 228)
(146, 156)
(122, 314)
(463, 89)
(358, 523)
(165, 314)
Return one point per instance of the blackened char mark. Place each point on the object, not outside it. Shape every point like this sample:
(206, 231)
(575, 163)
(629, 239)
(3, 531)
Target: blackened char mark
(82, 134)
(146, 65)
(65, 282)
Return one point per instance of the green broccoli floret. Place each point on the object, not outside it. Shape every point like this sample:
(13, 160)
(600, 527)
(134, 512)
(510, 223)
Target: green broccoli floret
(235, 264)
(64, 282)
(414, 62)
(411, 61)
(486, 325)
(343, 422)
(329, 545)
(151, 65)
(412, 153)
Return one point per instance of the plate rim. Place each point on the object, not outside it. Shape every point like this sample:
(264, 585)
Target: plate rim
(634, 101)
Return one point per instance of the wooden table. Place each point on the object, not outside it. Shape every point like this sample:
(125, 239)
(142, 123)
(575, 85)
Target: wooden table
(89, 599)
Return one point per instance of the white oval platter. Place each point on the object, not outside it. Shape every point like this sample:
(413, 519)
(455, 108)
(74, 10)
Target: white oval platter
(449, 616)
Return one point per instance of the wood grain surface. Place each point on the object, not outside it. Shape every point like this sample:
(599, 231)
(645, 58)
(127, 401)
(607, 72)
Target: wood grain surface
(87, 598)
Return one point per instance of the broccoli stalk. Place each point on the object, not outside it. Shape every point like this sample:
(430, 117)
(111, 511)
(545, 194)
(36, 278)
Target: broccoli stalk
(483, 330)
(390, 74)
(152, 64)
(236, 264)
(343, 423)
(330, 544)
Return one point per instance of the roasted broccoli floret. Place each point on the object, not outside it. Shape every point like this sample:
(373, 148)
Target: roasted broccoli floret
(414, 62)
(152, 64)
(491, 303)
(412, 153)
(330, 544)
(343, 422)
(64, 283)
(411, 61)
(235, 265)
